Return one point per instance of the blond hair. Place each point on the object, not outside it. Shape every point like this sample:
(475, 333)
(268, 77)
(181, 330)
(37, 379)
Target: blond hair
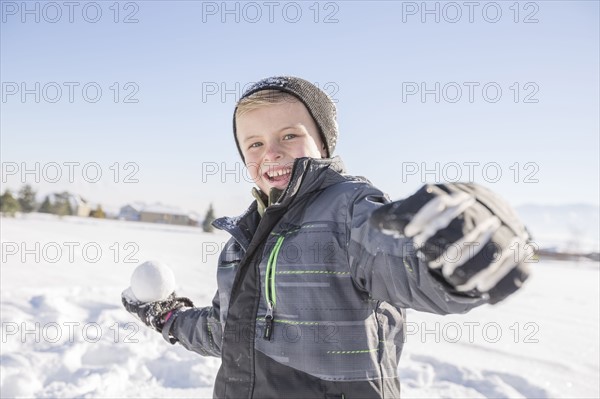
(261, 99)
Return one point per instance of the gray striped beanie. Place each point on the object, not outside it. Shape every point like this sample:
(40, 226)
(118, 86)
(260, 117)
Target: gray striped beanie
(319, 105)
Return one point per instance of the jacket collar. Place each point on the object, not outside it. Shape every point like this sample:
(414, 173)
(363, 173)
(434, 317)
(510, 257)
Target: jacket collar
(308, 175)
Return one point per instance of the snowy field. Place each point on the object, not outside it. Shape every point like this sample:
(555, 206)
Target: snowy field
(65, 334)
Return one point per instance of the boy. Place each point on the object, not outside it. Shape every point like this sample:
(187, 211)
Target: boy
(313, 284)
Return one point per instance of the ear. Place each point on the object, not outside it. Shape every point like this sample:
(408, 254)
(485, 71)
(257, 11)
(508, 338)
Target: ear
(323, 151)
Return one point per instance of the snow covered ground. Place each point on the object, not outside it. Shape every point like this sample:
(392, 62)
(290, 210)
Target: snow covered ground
(65, 334)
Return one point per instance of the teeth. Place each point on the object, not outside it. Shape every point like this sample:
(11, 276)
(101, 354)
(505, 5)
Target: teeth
(278, 173)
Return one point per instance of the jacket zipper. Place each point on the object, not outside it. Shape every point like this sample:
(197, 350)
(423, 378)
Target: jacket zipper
(270, 295)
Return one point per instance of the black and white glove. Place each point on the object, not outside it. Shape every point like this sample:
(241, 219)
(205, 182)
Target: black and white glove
(154, 314)
(466, 234)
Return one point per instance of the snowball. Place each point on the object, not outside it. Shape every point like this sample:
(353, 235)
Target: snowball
(152, 281)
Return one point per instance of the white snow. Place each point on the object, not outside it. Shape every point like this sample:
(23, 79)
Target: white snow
(65, 333)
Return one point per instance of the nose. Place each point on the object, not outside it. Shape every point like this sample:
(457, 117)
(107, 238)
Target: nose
(273, 152)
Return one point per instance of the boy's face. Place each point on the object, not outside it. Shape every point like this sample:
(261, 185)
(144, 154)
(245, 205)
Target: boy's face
(272, 137)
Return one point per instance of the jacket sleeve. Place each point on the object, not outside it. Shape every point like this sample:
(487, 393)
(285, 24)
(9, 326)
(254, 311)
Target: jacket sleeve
(197, 329)
(388, 268)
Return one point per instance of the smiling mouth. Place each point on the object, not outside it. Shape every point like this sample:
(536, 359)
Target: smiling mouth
(277, 175)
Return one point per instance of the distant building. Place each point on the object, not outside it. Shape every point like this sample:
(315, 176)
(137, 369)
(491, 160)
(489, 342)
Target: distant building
(194, 219)
(163, 214)
(130, 212)
(66, 203)
(79, 206)
(157, 213)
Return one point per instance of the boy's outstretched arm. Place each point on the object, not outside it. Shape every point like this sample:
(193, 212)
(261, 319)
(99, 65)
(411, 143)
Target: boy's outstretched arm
(446, 249)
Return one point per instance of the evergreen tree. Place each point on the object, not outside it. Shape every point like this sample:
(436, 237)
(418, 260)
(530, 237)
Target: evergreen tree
(8, 204)
(208, 219)
(27, 199)
(62, 206)
(98, 213)
(46, 206)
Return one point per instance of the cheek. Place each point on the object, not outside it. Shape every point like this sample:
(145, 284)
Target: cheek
(253, 170)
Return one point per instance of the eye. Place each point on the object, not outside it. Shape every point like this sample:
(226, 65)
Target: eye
(290, 136)
(255, 145)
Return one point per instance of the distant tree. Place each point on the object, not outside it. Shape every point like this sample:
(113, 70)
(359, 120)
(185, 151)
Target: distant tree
(98, 213)
(60, 205)
(46, 206)
(208, 219)
(8, 204)
(27, 199)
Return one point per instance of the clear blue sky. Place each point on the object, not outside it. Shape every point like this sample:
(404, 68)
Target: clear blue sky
(371, 56)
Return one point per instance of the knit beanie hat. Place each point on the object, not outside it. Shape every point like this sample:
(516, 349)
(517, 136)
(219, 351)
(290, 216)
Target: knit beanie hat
(319, 105)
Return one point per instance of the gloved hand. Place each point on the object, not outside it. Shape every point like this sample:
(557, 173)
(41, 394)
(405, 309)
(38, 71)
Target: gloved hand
(153, 314)
(466, 234)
